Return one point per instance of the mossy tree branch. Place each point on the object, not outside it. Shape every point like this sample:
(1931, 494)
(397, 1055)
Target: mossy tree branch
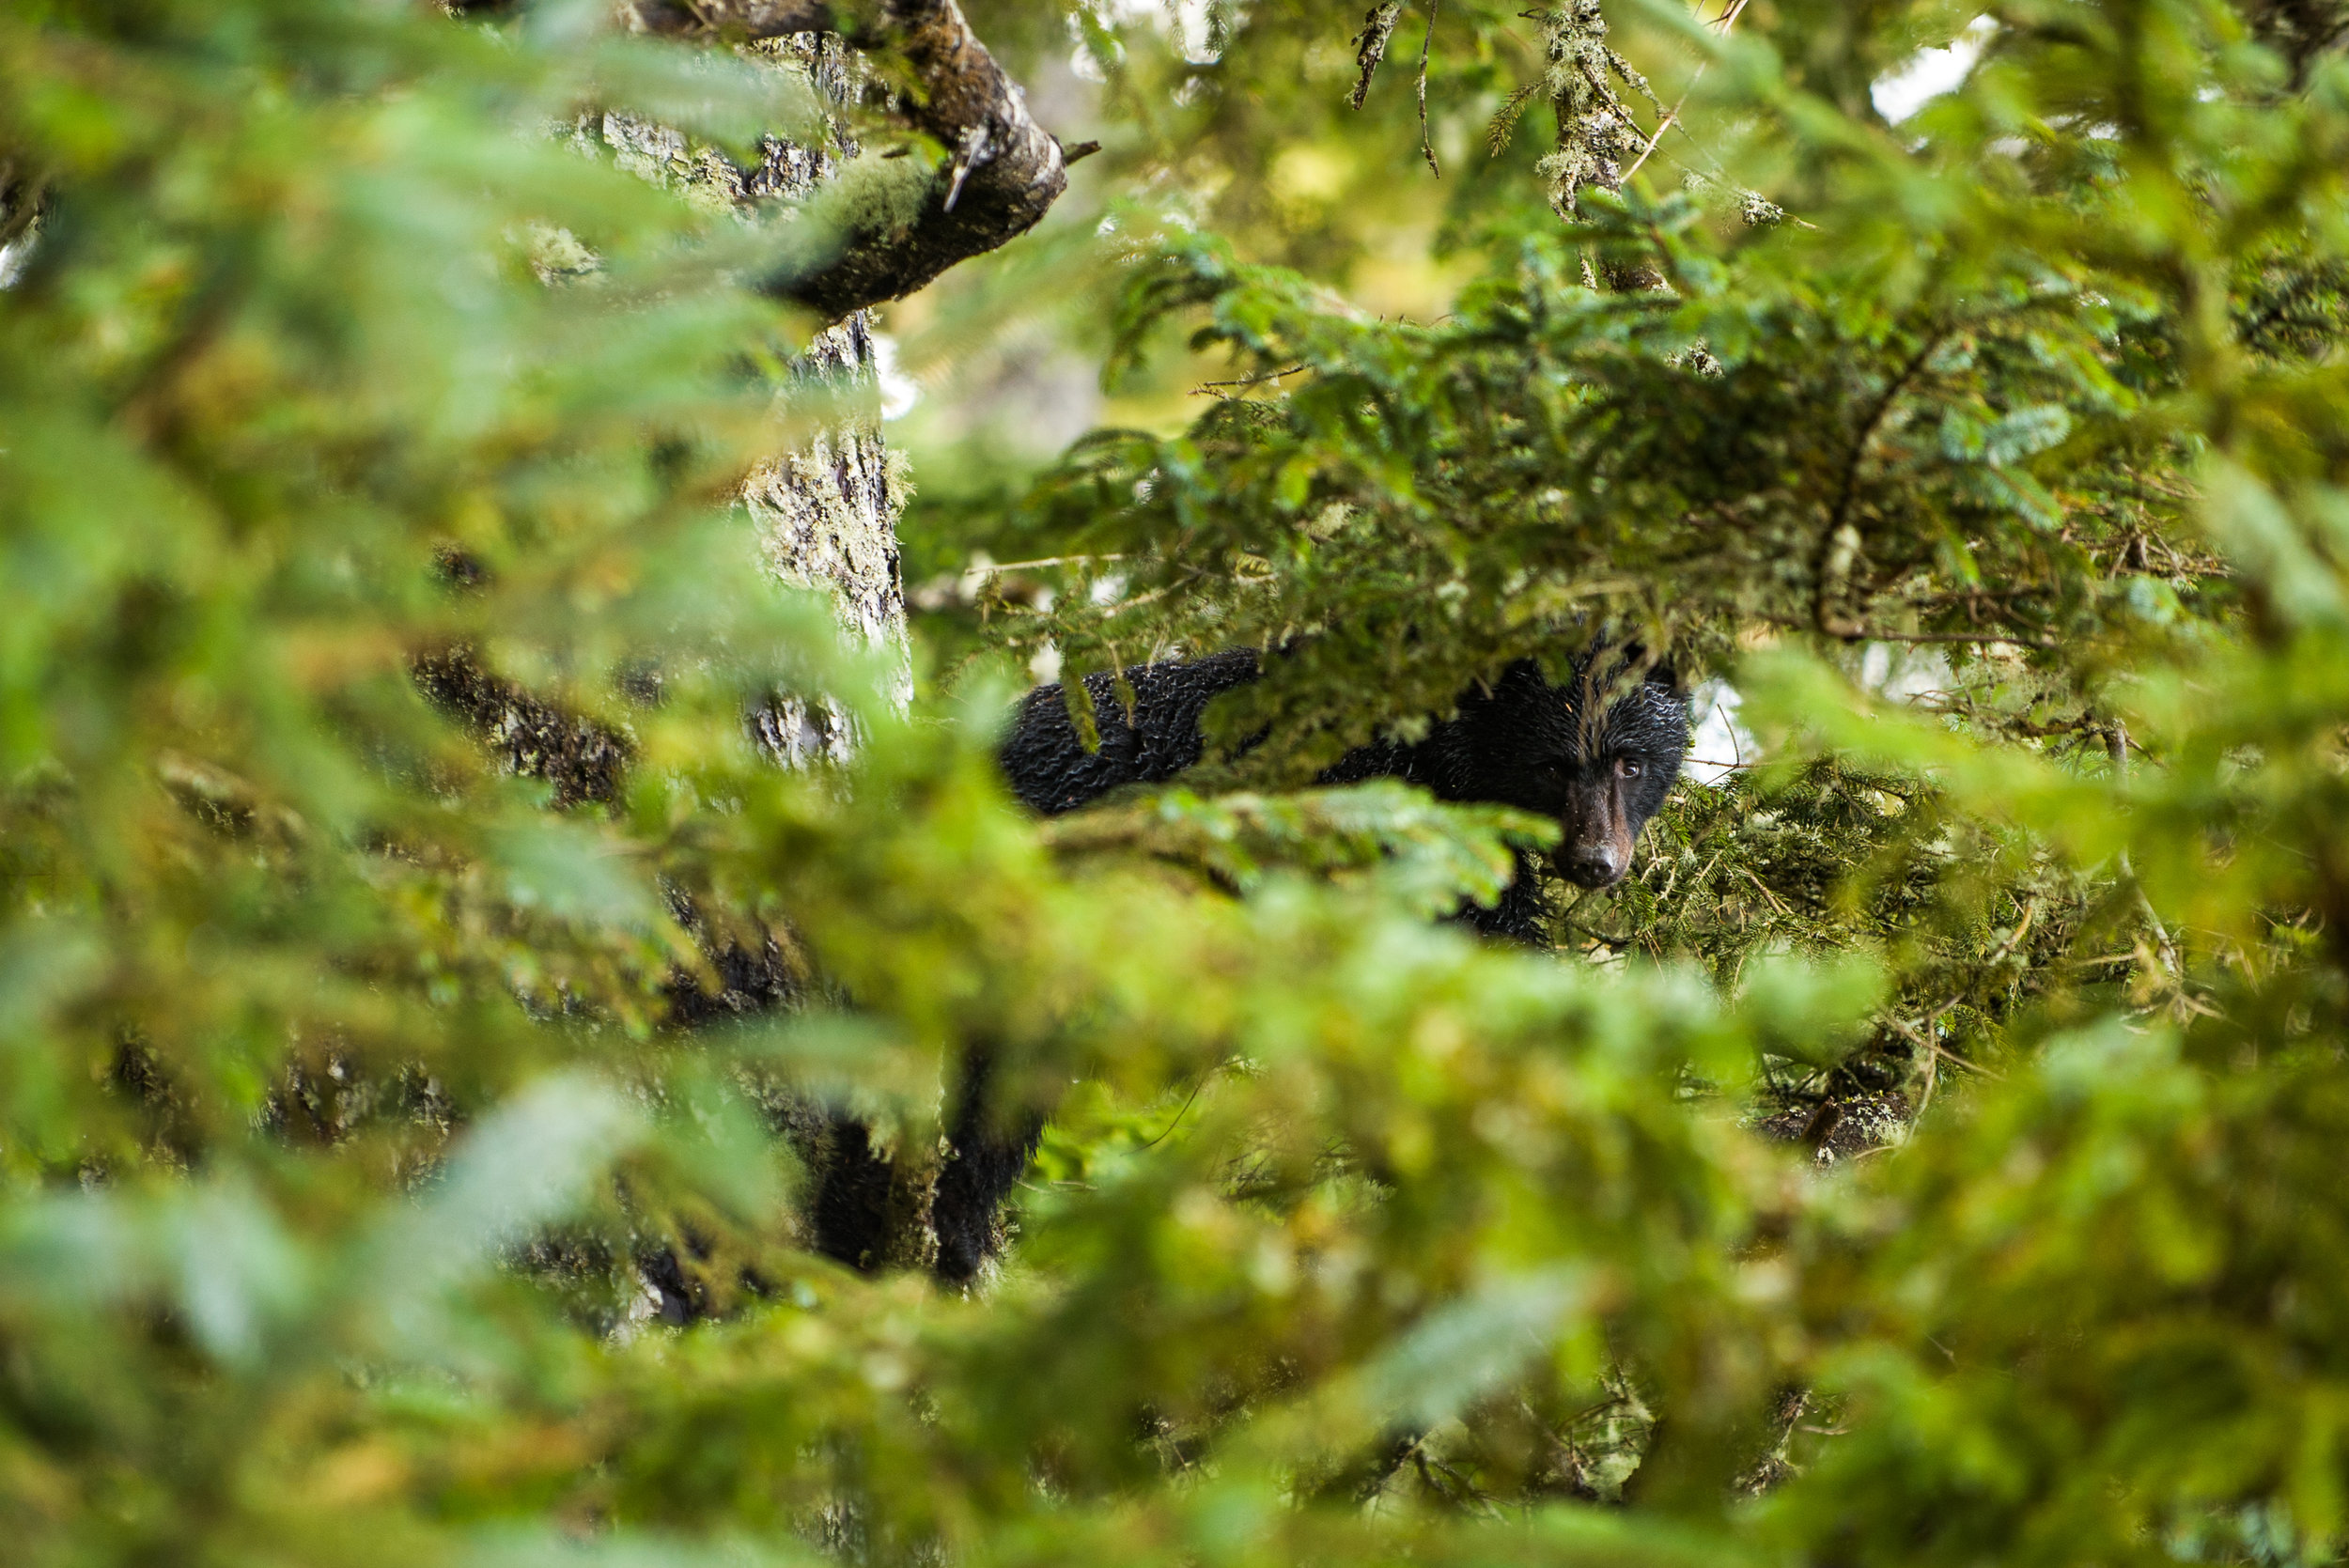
(1002, 172)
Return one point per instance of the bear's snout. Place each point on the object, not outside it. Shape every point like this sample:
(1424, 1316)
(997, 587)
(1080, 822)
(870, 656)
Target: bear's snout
(1597, 864)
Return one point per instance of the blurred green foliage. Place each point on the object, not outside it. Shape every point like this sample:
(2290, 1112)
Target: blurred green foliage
(338, 1098)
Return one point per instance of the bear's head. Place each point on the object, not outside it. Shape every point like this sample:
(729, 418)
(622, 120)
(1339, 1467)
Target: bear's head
(1598, 752)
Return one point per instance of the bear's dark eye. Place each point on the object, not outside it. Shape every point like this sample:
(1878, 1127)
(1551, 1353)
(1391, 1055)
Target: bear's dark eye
(1628, 768)
(1554, 769)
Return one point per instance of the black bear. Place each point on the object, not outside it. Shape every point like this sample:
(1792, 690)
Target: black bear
(1596, 758)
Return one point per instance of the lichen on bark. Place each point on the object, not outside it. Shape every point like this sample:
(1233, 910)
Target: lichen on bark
(826, 517)
(827, 514)
(1598, 138)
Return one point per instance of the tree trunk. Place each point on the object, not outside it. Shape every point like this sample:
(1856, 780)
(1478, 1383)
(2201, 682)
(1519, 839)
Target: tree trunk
(827, 518)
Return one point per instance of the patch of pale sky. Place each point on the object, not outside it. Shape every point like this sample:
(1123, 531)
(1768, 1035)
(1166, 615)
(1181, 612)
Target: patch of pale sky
(1186, 22)
(1930, 73)
(1717, 743)
(899, 392)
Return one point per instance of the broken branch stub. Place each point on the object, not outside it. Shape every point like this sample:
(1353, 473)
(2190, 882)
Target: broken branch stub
(1370, 46)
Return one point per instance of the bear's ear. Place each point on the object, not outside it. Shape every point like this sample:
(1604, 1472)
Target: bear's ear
(1660, 670)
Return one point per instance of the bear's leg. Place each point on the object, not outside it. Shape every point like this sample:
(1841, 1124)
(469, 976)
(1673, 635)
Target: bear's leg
(988, 1152)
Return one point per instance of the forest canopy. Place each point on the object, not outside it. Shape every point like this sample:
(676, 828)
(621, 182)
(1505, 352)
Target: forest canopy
(456, 864)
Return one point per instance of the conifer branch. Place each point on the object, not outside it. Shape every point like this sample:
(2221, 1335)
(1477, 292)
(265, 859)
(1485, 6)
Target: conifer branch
(1839, 545)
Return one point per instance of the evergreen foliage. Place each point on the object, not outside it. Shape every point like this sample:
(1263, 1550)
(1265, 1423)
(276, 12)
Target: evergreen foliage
(1930, 1155)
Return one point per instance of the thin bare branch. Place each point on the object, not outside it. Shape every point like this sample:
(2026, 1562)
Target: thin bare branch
(1426, 148)
(1720, 24)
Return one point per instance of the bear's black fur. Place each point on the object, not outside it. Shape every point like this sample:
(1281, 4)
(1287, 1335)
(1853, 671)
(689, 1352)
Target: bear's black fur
(987, 1150)
(1050, 769)
(1596, 758)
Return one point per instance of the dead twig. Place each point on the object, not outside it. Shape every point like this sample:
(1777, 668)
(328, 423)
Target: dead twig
(1047, 561)
(1727, 20)
(1204, 388)
(1426, 148)
(1876, 634)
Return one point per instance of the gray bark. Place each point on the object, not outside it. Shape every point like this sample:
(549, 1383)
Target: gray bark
(1000, 174)
(1599, 141)
(827, 516)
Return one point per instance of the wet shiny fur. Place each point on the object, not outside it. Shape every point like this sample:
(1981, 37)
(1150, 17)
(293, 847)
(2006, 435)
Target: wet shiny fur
(1598, 753)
